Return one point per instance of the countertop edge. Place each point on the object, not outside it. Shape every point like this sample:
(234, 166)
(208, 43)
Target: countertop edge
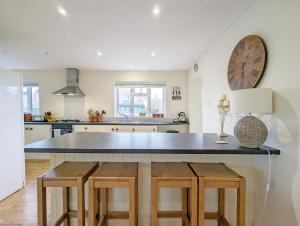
(109, 123)
(153, 151)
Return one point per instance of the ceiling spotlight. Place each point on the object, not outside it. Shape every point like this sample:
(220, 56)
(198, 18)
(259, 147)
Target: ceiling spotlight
(62, 11)
(99, 53)
(153, 53)
(156, 11)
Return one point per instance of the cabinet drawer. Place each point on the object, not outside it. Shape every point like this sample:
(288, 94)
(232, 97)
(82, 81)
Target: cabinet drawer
(86, 128)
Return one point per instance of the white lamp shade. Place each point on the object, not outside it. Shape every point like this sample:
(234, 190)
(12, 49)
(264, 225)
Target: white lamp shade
(256, 100)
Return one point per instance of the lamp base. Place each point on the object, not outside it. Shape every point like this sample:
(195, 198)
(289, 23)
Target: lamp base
(251, 132)
(222, 134)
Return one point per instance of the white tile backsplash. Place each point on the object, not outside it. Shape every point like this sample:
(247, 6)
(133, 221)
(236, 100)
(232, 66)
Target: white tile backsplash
(74, 108)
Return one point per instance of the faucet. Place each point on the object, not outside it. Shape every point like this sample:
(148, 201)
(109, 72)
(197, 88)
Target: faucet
(125, 116)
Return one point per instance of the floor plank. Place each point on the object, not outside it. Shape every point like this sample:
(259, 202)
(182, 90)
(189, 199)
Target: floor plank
(20, 208)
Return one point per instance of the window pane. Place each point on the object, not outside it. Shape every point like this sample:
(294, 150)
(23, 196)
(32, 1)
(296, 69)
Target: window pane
(25, 100)
(157, 100)
(140, 90)
(140, 105)
(124, 101)
(31, 99)
(35, 100)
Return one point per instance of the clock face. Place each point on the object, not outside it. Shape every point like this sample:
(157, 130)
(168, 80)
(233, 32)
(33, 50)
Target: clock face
(247, 63)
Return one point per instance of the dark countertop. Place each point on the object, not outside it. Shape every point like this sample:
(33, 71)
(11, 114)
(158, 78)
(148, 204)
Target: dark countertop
(144, 143)
(135, 123)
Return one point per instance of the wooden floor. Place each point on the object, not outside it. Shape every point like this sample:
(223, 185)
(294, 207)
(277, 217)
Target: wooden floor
(20, 208)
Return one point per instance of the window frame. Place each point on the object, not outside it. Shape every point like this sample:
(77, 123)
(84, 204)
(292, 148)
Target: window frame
(132, 86)
(29, 85)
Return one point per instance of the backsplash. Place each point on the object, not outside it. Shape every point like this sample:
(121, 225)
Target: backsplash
(74, 108)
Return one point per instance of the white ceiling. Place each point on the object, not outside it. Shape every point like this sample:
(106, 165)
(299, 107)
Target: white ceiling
(125, 31)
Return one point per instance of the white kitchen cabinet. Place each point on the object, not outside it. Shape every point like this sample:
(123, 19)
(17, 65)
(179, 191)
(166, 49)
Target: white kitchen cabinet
(115, 128)
(128, 128)
(86, 128)
(34, 133)
(142, 129)
(107, 128)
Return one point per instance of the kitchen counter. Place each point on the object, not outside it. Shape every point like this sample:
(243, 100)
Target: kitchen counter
(144, 143)
(145, 148)
(136, 123)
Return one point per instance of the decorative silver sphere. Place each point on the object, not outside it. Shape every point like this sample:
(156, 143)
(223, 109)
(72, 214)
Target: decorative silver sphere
(251, 132)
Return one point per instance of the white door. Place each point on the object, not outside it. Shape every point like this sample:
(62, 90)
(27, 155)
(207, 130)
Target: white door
(11, 133)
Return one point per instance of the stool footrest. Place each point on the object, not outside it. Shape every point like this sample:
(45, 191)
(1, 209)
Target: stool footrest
(211, 216)
(169, 214)
(117, 215)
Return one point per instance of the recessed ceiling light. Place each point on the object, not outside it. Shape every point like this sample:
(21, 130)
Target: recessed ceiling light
(99, 53)
(62, 11)
(153, 53)
(156, 11)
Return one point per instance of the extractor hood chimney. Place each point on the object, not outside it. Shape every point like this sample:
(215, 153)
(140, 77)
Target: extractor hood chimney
(72, 88)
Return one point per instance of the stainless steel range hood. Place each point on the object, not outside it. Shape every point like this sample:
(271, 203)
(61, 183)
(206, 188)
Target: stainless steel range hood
(72, 88)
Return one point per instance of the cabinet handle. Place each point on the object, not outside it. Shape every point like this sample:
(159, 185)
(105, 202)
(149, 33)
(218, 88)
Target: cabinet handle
(117, 129)
(133, 129)
(26, 128)
(112, 129)
(153, 130)
(30, 128)
(85, 128)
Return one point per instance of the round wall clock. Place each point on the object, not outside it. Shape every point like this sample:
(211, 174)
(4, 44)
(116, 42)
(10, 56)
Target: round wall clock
(247, 63)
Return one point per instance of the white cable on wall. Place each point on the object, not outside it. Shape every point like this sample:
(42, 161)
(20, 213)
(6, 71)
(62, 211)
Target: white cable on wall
(267, 189)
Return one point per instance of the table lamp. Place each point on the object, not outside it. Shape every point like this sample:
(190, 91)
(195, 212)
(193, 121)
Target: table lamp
(249, 130)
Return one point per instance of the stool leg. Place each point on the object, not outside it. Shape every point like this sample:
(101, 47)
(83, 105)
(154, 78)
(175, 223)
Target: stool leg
(80, 203)
(184, 205)
(154, 197)
(241, 203)
(201, 195)
(66, 205)
(132, 203)
(41, 204)
(136, 200)
(104, 204)
(92, 214)
(193, 217)
(221, 205)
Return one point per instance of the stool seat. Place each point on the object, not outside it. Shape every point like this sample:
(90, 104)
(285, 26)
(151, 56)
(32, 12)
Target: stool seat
(214, 171)
(172, 170)
(218, 175)
(65, 175)
(174, 175)
(108, 176)
(116, 170)
(71, 170)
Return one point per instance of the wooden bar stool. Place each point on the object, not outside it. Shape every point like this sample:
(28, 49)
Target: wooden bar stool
(113, 175)
(218, 175)
(174, 175)
(65, 175)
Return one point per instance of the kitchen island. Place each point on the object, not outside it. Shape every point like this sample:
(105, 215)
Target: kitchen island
(145, 148)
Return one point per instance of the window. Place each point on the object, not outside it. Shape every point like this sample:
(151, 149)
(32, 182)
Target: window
(133, 98)
(31, 98)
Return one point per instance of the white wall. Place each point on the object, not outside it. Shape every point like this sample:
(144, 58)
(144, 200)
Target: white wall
(49, 81)
(98, 86)
(195, 102)
(277, 22)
